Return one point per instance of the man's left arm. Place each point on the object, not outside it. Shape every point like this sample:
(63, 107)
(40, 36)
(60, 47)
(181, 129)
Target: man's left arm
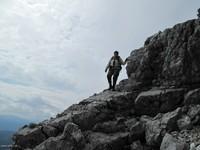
(123, 62)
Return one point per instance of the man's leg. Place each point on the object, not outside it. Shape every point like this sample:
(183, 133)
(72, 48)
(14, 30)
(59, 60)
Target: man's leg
(115, 77)
(109, 77)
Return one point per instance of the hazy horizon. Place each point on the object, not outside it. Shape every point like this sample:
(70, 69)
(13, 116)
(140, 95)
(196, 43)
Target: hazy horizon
(53, 52)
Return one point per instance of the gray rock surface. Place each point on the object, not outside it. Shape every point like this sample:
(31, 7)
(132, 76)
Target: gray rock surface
(192, 97)
(71, 139)
(171, 143)
(156, 128)
(168, 58)
(184, 123)
(136, 146)
(29, 138)
(155, 101)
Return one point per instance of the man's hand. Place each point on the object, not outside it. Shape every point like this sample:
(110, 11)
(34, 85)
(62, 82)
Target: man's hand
(106, 70)
(126, 60)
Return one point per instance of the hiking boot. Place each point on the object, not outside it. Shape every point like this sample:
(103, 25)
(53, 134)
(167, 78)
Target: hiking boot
(110, 87)
(113, 88)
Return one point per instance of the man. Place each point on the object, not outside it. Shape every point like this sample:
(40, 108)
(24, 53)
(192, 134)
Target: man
(114, 66)
(198, 13)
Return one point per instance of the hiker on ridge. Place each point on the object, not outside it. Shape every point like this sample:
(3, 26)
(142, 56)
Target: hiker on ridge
(198, 13)
(114, 66)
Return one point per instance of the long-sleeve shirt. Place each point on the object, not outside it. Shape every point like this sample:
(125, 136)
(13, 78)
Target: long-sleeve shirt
(115, 62)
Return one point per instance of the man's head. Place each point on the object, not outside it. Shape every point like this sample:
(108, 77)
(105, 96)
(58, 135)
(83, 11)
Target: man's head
(116, 53)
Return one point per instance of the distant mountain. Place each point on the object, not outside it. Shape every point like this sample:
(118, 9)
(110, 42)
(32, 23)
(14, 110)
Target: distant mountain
(11, 123)
(5, 139)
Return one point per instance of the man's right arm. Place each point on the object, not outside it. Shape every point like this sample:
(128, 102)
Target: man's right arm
(108, 65)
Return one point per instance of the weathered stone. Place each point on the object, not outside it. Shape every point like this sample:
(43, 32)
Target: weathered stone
(130, 122)
(50, 131)
(136, 146)
(109, 127)
(184, 122)
(59, 122)
(192, 97)
(169, 120)
(157, 127)
(100, 141)
(171, 143)
(153, 102)
(168, 58)
(71, 139)
(29, 138)
(194, 114)
(137, 131)
(153, 133)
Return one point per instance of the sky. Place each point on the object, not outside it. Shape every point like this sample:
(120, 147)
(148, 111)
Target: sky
(53, 53)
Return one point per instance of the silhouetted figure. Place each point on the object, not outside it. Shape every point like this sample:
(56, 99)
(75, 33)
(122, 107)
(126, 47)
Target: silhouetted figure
(198, 13)
(114, 66)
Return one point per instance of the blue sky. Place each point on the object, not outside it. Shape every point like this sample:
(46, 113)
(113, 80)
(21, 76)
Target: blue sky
(53, 52)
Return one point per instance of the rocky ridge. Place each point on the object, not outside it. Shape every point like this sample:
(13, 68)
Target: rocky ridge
(157, 107)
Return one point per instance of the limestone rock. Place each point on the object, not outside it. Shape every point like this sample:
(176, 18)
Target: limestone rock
(184, 123)
(168, 58)
(137, 131)
(155, 101)
(100, 141)
(192, 97)
(71, 139)
(136, 146)
(171, 143)
(157, 127)
(29, 138)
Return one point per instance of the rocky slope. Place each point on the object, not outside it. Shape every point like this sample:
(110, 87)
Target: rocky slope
(157, 107)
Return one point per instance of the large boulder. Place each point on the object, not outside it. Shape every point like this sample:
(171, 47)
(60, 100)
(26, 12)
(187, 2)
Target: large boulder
(59, 122)
(156, 128)
(192, 97)
(137, 131)
(110, 127)
(102, 107)
(92, 111)
(155, 101)
(184, 123)
(168, 58)
(50, 131)
(188, 136)
(137, 145)
(101, 141)
(29, 138)
(71, 139)
(171, 143)
(194, 114)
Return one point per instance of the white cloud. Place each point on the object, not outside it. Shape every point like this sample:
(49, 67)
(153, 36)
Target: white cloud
(32, 103)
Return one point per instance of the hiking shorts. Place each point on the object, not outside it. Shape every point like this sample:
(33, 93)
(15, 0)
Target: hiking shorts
(114, 71)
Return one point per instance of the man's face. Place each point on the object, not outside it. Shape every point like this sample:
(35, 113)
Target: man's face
(115, 54)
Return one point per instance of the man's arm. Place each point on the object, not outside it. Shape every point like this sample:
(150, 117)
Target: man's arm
(108, 65)
(122, 62)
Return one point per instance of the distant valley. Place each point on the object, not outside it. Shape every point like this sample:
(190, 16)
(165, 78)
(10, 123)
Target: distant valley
(5, 138)
(8, 126)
